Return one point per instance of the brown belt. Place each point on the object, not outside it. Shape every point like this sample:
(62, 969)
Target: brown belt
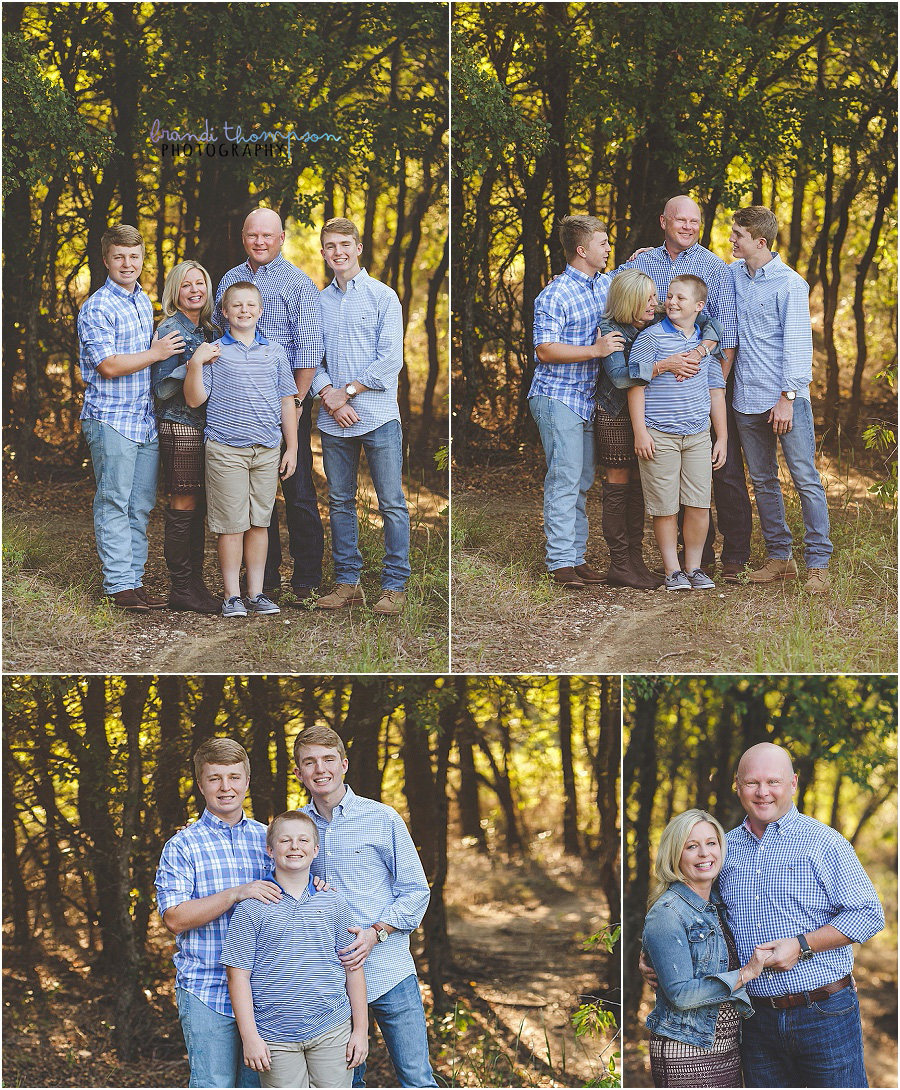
(801, 999)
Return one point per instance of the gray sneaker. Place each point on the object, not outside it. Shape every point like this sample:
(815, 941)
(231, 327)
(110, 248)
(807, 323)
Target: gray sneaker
(699, 580)
(678, 581)
(234, 607)
(262, 604)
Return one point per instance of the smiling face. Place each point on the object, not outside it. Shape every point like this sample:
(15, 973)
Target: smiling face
(765, 784)
(744, 245)
(192, 294)
(682, 307)
(124, 264)
(293, 846)
(596, 253)
(321, 770)
(701, 856)
(681, 224)
(242, 311)
(263, 237)
(224, 788)
(645, 316)
(341, 254)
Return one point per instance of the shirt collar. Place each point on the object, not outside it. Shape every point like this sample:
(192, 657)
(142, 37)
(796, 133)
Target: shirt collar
(669, 326)
(310, 887)
(258, 337)
(182, 319)
(117, 289)
(578, 275)
(782, 825)
(772, 268)
(217, 823)
(694, 899)
(272, 264)
(691, 250)
(343, 806)
(360, 277)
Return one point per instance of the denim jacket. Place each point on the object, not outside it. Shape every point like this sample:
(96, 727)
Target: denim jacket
(615, 378)
(684, 941)
(167, 376)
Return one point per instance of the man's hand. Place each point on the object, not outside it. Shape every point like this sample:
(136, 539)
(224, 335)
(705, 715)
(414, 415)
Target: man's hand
(648, 972)
(345, 416)
(781, 417)
(357, 1048)
(679, 365)
(608, 343)
(643, 445)
(782, 953)
(288, 463)
(206, 353)
(334, 397)
(259, 890)
(355, 955)
(256, 1054)
(637, 253)
(719, 451)
(170, 345)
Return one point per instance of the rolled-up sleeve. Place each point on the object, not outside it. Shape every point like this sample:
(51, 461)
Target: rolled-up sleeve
(858, 913)
(308, 346)
(642, 357)
(385, 367)
(798, 348)
(175, 878)
(97, 333)
(722, 306)
(550, 317)
(409, 885)
(616, 364)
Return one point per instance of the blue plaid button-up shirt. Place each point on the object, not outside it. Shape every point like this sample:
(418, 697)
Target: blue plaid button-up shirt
(367, 854)
(291, 316)
(799, 876)
(205, 858)
(114, 321)
(696, 260)
(774, 335)
(363, 331)
(568, 311)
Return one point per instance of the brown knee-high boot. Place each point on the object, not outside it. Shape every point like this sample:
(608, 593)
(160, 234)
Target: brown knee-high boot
(177, 551)
(615, 530)
(198, 542)
(634, 520)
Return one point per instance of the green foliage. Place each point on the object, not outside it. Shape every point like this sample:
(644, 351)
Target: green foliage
(595, 1020)
(883, 438)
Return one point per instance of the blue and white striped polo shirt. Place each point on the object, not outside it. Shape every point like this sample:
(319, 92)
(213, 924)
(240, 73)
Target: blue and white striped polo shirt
(245, 386)
(670, 406)
(799, 876)
(290, 948)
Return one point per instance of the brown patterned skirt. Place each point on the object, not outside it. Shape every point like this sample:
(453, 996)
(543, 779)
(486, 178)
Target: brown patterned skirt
(615, 439)
(181, 458)
(674, 1063)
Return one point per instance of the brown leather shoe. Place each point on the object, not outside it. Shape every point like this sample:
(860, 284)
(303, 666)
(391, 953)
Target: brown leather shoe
(150, 600)
(587, 574)
(304, 597)
(568, 578)
(130, 600)
(344, 594)
(731, 573)
(390, 604)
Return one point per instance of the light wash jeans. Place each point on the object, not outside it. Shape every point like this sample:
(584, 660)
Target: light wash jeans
(401, 1019)
(214, 1047)
(569, 449)
(125, 473)
(760, 446)
(384, 454)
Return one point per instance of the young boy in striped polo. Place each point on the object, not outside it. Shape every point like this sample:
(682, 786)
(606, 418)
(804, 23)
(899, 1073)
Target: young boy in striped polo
(249, 395)
(671, 432)
(302, 1015)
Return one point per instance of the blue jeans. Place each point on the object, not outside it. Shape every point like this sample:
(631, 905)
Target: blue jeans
(213, 1042)
(125, 473)
(799, 449)
(305, 534)
(401, 1019)
(384, 454)
(816, 1045)
(569, 450)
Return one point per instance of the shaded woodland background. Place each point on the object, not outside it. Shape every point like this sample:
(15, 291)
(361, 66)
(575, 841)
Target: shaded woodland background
(82, 85)
(500, 781)
(612, 108)
(683, 739)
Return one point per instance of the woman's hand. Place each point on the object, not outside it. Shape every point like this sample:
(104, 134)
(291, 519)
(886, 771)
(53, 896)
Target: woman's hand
(755, 965)
(680, 365)
(206, 353)
(608, 343)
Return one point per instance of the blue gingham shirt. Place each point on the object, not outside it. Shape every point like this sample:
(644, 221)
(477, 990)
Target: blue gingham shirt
(697, 261)
(798, 877)
(670, 406)
(208, 857)
(298, 983)
(245, 386)
(114, 321)
(363, 331)
(568, 311)
(291, 315)
(774, 335)
(367, 854)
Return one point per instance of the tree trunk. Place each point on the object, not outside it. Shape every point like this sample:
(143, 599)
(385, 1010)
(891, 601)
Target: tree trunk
(606, 768)
(171, 762)
(571, 840)
(434, 925)
(13, 881)
(369, 705)
(435, 285)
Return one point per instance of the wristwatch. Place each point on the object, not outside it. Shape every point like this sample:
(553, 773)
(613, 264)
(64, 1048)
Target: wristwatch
(805, 952)
(352, 391)
(381, 934)
(789, 394)
(298, 402)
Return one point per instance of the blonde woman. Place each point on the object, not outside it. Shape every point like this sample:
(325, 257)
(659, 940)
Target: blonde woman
(631, 306)
(187, 308)
(701, 997)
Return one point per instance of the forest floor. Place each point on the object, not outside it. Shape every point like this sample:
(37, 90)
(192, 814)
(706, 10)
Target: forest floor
(508, 617)
(56, 620)
(520, 968)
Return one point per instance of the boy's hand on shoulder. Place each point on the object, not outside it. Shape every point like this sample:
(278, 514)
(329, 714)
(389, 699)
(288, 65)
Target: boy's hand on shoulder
(608, 343)
(356, 953)
(719, 452)
(357, 1048)
(167, 346)
(260, 890)
(206, 353)
(643, 445)
(321, 885)
(288, 463)
(256, 1054)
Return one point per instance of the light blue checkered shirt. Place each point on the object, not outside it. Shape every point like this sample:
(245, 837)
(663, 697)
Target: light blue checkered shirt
(670, 406)
(291, 315)
(298, 983)
(111, 321)
(363, 331)
(568, 311)
(367, 854)
(800, 876)
(774, 335)
(697, 261)
(208, 857)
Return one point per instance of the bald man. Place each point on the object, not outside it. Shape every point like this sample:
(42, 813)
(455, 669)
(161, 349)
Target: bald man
(682, 253)
(292, 318)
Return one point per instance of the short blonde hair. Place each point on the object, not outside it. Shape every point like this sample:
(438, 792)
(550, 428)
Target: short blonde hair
(628, 295)
(121, 234)
(667, 865)
(575, 231)
(760, 221)
(339, 226)
(318, 736)
(695, 283)
(172, 287)
(241, 285)
(289, 815)
(220, 751)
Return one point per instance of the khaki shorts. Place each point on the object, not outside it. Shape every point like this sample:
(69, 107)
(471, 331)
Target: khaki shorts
(241, 483)
(319, 1062)
(679, 473)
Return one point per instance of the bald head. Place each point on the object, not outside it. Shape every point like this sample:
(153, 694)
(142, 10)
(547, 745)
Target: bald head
(765, 782)
(680, 221)
(263, 236)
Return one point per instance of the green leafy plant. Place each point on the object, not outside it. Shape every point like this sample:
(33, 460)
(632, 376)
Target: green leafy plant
(595, 1020)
